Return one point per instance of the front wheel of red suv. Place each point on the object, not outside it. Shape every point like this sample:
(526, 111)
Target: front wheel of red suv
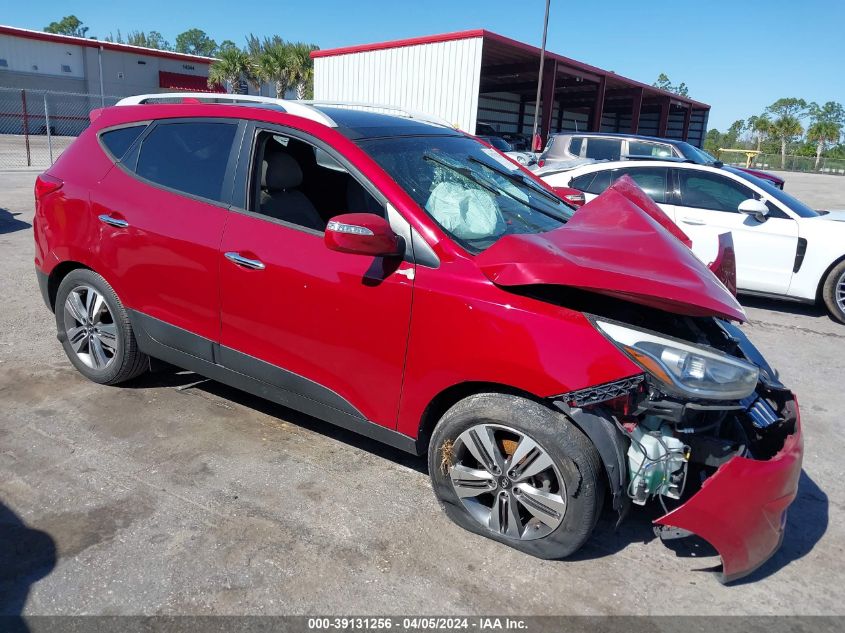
(95, 331)
(518, 472)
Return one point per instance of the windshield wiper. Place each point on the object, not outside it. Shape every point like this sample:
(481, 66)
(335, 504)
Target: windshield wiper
(525, 182)
(463, 171)
(519, 179)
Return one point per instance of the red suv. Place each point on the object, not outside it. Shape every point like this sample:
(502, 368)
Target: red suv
(399, 278)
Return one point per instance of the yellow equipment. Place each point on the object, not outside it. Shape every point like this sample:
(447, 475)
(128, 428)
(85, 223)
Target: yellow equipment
(750, 154)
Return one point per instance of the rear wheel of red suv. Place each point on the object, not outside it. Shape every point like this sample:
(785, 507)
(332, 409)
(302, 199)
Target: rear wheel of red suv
(94, 329)
(518, 472)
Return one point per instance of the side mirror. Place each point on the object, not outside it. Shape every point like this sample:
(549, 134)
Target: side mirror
(757, 208)
(362, 234)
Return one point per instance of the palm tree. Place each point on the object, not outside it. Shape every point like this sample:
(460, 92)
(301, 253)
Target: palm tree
(231, 66)
(760, 126)
(785, 128)
(823, 132)
(273, 65)
(301, 68)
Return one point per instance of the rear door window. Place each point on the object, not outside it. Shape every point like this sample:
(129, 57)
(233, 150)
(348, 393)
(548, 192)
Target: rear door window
(652, 180)
(190, 157)
(604, 148)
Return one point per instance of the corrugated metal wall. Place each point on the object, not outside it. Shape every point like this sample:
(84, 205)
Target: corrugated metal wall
(441, 78)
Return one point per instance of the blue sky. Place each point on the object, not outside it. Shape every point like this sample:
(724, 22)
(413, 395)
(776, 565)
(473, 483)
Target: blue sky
(738, 56)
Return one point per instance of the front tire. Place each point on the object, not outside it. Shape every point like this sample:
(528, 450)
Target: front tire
(513, 470)
(94, 329)
(833, 292)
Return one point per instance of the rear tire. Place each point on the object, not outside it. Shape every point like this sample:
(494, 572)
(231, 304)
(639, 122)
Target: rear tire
(833, 292)
(94, 330)
(556, 508)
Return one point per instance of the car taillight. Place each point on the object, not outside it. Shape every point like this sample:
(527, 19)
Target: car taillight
(541, 162)
(46, 184)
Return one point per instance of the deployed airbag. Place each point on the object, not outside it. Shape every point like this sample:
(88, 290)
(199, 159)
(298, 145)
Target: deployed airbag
(469, 214)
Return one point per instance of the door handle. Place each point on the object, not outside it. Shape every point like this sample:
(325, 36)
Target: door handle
(246, 262)
(694, 221)
(121, 224)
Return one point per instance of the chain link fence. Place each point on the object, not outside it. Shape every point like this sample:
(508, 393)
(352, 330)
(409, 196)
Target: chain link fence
(37, 125)
(834, 166)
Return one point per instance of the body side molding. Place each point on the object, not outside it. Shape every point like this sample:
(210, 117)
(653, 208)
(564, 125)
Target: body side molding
(231, 367)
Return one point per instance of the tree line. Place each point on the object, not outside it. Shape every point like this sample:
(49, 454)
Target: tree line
(789, 124)
(273, 60)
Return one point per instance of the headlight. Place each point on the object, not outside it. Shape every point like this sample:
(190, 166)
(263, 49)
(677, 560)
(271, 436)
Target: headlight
(693, 370)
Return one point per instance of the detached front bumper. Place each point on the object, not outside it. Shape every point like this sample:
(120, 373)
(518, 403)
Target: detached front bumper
(741, 509)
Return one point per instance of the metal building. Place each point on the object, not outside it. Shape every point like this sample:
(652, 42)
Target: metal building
(473, 77)
(44, 61)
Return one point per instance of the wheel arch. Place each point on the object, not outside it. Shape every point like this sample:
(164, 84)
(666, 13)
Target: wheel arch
(823, 278)
(59, 272)
(450, 396)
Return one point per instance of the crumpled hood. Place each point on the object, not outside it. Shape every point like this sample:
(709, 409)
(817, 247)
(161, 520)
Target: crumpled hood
(613, 246)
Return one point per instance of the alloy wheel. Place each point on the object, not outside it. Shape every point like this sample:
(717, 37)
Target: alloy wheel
(90, 327)
(839, 292)
(507, 482)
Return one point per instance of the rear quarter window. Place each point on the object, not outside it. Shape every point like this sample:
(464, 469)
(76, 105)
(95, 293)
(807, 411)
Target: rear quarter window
(116, 142)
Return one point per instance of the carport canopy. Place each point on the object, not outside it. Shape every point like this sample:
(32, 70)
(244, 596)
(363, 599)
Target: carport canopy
(577, 96)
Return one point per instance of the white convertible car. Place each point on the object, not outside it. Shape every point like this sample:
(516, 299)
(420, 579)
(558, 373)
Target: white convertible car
(784, 248)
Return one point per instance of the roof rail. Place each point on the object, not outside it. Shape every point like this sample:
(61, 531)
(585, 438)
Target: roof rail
(389, 109)
(297, 108)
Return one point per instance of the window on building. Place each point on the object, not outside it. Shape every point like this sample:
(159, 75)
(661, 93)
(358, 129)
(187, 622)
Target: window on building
(3, 63)
(65, 68)
(189, 157)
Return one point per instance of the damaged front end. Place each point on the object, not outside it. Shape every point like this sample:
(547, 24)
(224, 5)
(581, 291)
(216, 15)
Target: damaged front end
(729, 466)
(707, 427)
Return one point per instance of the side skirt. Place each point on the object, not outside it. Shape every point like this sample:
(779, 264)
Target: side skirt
(197, 354)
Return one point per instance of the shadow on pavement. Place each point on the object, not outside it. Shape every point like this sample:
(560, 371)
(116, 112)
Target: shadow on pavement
(180, 379)
(26, 556)
(9, 222)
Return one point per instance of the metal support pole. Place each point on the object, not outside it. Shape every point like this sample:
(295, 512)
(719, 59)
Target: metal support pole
(26, 129)
(49, 135)
(100, 63)
(535, 139)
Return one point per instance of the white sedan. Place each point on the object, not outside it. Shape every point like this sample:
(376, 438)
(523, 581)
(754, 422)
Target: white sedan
(784, 248)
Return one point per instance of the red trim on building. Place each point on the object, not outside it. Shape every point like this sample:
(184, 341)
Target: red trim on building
(109, 46)
(181, 81)
(413, 41)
